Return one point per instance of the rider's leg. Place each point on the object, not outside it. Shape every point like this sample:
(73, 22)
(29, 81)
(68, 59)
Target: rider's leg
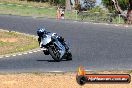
(61, 39)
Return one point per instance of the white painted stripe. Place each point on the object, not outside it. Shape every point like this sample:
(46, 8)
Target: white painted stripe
(14, 55)
(106, 24)
(56, 71)
(34, 51)
(43, 49)
(38, 50)
(30, 52)
(19, 54)
(1, 57)
(30, 6)
(13, 31)
(116, 25)
(25, 53)
(86, 22)
(9, 4)
(7, 56)
(95, 23)
(74, 21)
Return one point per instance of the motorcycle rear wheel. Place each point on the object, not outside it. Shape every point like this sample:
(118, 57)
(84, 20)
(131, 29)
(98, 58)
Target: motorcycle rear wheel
(46, 52)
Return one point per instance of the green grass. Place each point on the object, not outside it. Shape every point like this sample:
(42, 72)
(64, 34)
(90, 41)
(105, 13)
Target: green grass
(33, 11)
(23, 43)
(27, 11)
(50, 12)
(3, 43)
(99, 17)
(70, 15)
(31, 3)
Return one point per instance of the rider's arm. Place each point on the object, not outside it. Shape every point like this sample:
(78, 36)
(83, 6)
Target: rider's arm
(39, 39)
(60, 38)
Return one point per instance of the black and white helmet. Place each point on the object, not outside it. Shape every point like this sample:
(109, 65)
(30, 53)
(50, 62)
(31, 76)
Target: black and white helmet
(41, 31)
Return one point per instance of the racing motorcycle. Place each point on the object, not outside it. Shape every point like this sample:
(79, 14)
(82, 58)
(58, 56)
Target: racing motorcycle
(55, 48)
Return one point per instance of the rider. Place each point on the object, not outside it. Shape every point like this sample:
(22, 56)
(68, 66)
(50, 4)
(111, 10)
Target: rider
(42, 31)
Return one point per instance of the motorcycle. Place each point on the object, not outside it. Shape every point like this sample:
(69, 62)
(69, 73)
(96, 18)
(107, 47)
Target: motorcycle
(55, 48)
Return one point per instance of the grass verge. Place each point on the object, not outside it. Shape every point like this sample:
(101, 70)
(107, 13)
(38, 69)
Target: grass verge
(27, 11)
(26, 3)
(37, 9)
(12, 42)
(31, 9)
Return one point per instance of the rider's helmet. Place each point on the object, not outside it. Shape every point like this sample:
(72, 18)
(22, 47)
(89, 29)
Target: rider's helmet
(41, 31)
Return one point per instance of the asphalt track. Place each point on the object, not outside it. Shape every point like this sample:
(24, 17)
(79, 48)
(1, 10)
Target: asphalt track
(94, 46)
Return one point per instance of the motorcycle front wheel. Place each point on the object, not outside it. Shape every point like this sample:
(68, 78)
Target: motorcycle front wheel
(69, 56)
(55, 54)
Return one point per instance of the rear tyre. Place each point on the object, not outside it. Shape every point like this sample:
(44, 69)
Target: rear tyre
(46, 52)
(55, 54)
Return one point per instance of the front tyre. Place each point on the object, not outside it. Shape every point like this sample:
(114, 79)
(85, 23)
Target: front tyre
(55, 54)
(69, 56)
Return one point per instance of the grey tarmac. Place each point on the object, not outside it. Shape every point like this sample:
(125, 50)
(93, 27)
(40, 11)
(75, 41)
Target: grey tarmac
(94, 46)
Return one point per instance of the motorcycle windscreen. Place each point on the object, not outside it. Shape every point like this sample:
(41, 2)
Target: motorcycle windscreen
(46, 39)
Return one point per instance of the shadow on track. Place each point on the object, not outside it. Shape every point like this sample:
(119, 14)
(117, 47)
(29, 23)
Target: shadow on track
(49, 60)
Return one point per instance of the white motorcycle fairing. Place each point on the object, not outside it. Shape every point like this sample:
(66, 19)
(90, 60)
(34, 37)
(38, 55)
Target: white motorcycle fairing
(48, 38)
